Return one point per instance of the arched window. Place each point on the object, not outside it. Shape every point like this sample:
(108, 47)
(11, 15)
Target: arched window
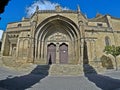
(107, 41)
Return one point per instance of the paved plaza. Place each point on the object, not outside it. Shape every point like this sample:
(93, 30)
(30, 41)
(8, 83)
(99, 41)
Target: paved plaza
(36, 80)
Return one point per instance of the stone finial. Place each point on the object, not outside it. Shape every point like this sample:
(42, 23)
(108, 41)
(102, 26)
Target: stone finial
(85, 15)
(98, 14)
(78, 9)
(58, 8)
(37, 8)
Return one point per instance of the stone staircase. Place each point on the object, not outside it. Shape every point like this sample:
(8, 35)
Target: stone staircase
(58, 70)
(65, 70)
(8, 61)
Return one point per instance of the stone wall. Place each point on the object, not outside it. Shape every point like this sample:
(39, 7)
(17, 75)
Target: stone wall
(115, 24)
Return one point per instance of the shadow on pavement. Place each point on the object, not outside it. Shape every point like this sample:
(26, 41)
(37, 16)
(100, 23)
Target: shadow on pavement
(26, 81)
(101, 81)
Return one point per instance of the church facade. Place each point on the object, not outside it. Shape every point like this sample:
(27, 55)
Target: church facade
(60, 37)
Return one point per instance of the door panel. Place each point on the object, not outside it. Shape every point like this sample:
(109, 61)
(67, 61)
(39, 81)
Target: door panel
(51, 56)
(63, 53)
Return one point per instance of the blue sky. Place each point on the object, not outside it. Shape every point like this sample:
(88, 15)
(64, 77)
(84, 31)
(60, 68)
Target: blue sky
(16, 9)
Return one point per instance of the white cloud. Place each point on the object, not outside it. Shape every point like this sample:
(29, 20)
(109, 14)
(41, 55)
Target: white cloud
(43, 5)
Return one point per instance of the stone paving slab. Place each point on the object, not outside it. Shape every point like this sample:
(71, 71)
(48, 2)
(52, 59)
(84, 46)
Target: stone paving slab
(64, 83)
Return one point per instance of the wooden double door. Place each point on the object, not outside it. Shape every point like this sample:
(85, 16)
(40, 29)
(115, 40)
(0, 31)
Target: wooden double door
(63, 53)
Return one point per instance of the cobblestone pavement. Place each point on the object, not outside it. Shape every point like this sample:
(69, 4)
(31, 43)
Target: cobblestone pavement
(14, 80)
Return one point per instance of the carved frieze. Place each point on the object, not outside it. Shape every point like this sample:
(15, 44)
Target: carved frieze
(57, 37)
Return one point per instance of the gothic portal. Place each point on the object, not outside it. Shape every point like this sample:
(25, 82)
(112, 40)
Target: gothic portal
(56, 40)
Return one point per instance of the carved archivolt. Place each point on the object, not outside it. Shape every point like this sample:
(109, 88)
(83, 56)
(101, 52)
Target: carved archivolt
(57, 37)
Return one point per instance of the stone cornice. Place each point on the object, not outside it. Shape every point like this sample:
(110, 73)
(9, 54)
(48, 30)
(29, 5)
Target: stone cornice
(53, 11)
(91, 38)
(13, 31)
(98, 29)
(19, 27)
(102, 31)
(23, 28)
(19, 21)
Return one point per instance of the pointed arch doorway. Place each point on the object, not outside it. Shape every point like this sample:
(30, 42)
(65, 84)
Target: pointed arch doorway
(57, 29)
(63, 53)
(51, 56)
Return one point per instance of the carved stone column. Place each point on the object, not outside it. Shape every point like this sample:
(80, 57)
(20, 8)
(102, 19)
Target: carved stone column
(10, 52)
(32, 43)
(57, 53)
(81, 54)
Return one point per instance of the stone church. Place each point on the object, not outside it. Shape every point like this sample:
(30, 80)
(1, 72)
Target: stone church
(60, 37)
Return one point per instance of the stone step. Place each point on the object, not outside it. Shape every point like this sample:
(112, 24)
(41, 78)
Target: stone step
(8, 61)
(65, 70)
(58, 70)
